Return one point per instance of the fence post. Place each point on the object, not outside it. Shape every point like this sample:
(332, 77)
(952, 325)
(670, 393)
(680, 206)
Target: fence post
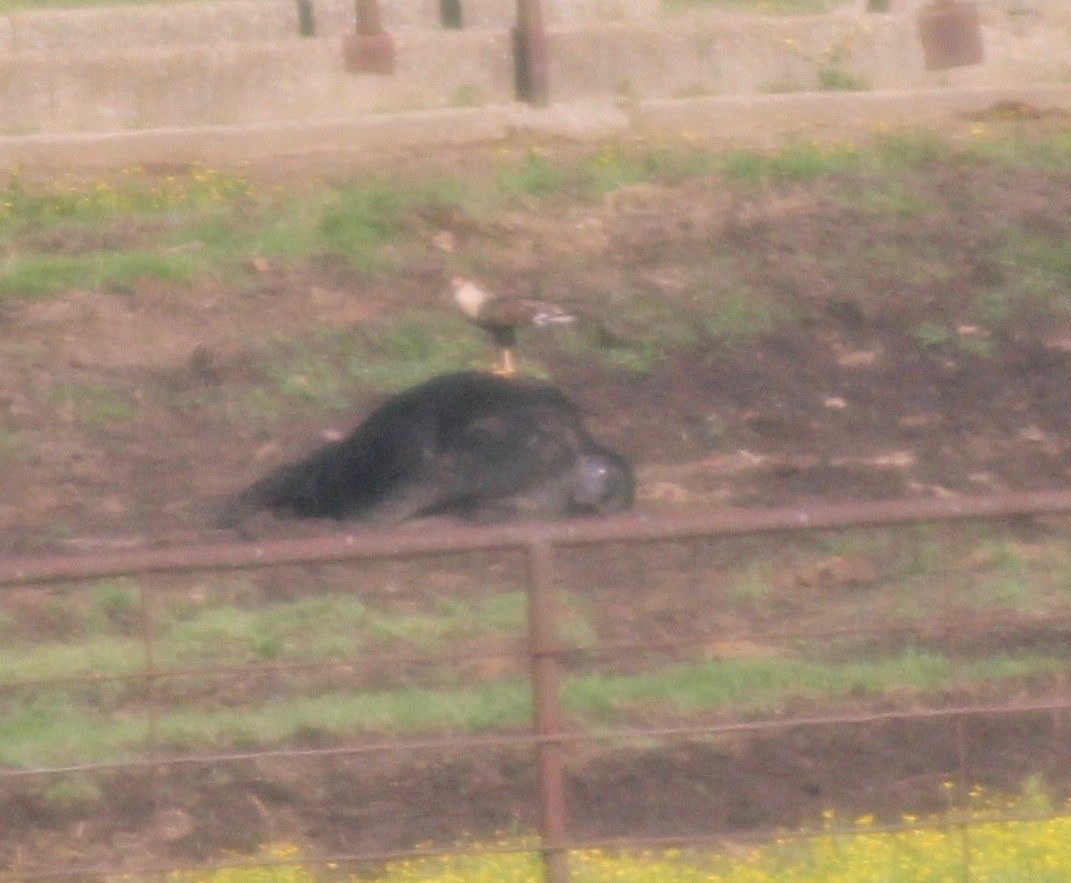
(530, 53)
(546, 698)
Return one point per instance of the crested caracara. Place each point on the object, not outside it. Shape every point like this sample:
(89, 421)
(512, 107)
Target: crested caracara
(470, 444)
(503, 314)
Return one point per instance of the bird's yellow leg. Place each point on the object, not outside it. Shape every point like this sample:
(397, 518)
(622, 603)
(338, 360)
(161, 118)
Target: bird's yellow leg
(506, 366)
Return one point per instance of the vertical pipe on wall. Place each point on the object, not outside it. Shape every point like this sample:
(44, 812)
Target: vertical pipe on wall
(530, 53)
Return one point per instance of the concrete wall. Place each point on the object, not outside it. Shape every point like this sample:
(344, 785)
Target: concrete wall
(240, 83)
(173, 24)
(130, 27)
(731, 54)
(211, 63)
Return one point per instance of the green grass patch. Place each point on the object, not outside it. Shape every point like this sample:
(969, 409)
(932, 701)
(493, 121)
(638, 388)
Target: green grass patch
(324, 370)
(909, 149)
(1048, 151)
(358, 220)
(835, 79)
(96, 405)
(132, 193)
(1037, 268)
(34, 275)
(535, 175)
(108, 234)
(54, 726)
(98, 638)
(794, 161)
(740, 314)
(887, 198)
(10, 445)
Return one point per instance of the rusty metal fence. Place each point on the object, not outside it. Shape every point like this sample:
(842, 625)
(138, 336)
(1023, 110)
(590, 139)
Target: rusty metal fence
(549, 736)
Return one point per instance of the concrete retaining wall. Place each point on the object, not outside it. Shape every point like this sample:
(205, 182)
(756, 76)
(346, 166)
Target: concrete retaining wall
(251, 82)
(689, 57)
(212, 64)
(198, 23)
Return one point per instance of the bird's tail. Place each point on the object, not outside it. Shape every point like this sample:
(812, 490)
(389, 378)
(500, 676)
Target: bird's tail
(547, 314)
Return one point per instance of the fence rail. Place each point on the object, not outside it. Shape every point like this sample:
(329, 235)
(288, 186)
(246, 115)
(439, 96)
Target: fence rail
(545, 653)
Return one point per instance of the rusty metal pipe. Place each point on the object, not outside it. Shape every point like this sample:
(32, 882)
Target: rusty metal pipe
(413, 542)
(546, 698)
(531, 54)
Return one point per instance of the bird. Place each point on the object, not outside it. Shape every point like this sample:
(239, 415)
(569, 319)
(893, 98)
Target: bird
(503, 314)
(467, 443)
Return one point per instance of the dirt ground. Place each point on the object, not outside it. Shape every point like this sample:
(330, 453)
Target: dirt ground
(878, 375)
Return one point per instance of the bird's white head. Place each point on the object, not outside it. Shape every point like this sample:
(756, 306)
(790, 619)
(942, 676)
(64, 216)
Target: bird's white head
(468, 296)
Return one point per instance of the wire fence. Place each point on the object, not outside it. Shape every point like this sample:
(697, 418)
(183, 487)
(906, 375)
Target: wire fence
(545, 654)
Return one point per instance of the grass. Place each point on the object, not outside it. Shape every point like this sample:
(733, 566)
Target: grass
(10, 445)
(97, 405)
(192, 224)
(323, 370)
(202, 222)
(1049, 151)
(1037, 267)
(919, 574)
(794, 161)
(94, 724)
(203, 219)
(101, 635)
(1012, 840)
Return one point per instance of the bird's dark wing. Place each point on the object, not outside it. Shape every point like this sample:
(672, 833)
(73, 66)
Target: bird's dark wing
(517, 310)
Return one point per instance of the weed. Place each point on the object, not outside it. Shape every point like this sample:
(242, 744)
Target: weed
(635, 355)
(78, 792)
(97, 405)
(785, 87)
(1049, 151)
(921, 557)
(324, 368)
(117, 602)
(888, 198)
(834, 79)
(10, 445)
(1015, 839)
(610, 168)
(23, 206)
(750, 589)
(740, 314)
(468, 95)
(909, 149)
(535, 176)
(795, 161)
(358, 220)
(1037, 267)
(932, 334)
